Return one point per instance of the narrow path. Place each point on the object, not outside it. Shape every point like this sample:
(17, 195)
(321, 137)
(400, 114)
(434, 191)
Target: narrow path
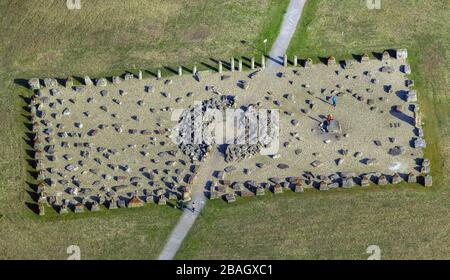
(288, 27)
(212, 163)
(215, 160)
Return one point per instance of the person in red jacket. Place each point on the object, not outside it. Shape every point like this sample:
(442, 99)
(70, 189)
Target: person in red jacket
(330, 117)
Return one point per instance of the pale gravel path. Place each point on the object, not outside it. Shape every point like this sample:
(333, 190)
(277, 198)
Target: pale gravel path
(214, 161)
(288, 27)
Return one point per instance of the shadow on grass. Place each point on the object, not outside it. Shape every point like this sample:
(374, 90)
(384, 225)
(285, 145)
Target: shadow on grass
(357, 57)
(323, 60)
(171, 70)
(226, 64)
(210, 67)
(22, 83)
(33, 207)
(151, 73)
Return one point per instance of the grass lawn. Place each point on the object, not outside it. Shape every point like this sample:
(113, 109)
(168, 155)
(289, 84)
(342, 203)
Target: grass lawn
(42, 38)
(405, 221)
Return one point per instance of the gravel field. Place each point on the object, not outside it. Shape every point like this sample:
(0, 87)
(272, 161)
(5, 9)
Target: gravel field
(142, 109)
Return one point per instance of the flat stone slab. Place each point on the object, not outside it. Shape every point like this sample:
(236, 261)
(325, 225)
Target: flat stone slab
(334, 127)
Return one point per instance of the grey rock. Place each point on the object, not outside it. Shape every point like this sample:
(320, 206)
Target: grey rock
(396, 178)
(34, 84)
(283, 166)
(397, 150)
(425, 169)
(316, 163)
(382, 180)
(102, 82)
(412, 178)
(425, 162)
(229, 169)
(334, 127)
(428, 181)
(420, 143)
(411, 96)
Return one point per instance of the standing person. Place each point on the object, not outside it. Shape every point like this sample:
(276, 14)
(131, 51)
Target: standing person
(334, 101)
(193, 206)
(330, 117)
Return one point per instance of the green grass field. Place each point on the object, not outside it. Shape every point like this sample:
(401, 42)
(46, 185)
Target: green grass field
(42, 38)
(406, 222)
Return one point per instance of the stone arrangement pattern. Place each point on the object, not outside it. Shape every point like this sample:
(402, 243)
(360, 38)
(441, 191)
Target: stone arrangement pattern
(109, 141)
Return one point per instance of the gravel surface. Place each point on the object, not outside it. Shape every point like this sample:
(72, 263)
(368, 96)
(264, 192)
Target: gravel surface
(305, 141)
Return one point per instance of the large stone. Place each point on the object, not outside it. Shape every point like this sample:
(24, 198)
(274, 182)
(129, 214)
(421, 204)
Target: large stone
(128, 77)
(385, 56)
(425, 169)
(331, 61)
(283, 166)
(79, 208)
(334, 127)
(397, 150)
(213, 194)
(420, 143)
(41, 209)
(371, 161)
(387, 69)
(412, 178)
(396, 179)
(121, 203)
(63, 209)
(298, 187)
(69, 82)
(230, 198)
(116, 80)
(112, 204)
(365, 57)
(135, 202)
(34, 84)
(95, 207)
(428, 181)
(323, 186)
(230, 168)
(162, 200)
(348, 183)
(102, 82)
(402, 54)
(50, 82)
(365, 182)
(382, 180)
(411, 96)
(405, 69)
(308, 63)
(425, 162)
(333, 185)
(88, 81)
(260, 191)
